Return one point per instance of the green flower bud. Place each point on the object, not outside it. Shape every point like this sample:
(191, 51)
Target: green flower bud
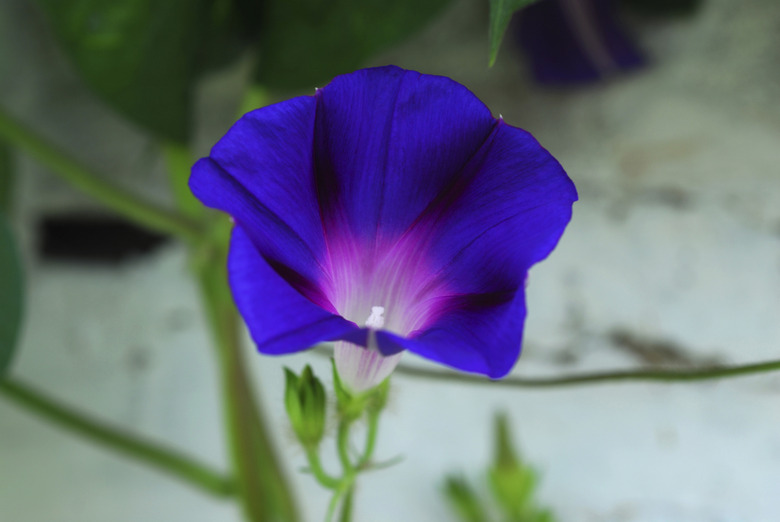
(305, 401)
(512, 483)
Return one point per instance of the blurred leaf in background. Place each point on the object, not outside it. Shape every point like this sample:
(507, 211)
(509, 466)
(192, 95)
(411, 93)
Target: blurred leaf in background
(6, 178)
(510, 480)
(143, 57)
(464, 500)
(140, 56)
(10, 296)
(304, 43)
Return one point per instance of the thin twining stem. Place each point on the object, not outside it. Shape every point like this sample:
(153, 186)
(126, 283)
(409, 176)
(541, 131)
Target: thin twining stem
(92, 184)
(262, 488)
(316, 469)
(165, 460)
(670, 375)
(372, 429)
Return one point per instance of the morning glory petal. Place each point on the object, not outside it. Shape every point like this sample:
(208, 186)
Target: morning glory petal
(478, 334)
(387, 142)
(280, 319)
(261, 173)
(508, 212)
(390, 211)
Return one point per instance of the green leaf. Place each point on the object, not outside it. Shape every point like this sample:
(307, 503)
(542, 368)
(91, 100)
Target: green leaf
(513, 482)
(233, 26)
(304, 43)
(6, 178)
(501, 12)
(464, 500)
(10, 296)
(140, 56)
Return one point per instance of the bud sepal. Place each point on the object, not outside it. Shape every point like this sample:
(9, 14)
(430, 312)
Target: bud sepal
(305, 402)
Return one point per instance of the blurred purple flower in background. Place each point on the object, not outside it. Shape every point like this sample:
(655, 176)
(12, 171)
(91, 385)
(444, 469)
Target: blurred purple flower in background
(571, 42)
(390, 211)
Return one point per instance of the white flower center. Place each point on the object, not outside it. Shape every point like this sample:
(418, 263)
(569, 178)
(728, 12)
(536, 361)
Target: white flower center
(361, 368)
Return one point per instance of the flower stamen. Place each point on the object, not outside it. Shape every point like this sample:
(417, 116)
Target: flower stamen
(375, 320)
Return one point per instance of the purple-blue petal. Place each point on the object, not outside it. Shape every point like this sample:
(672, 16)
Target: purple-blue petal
(279, 318)
(261, 173)
(387, 188)
(507, 212)
(575, 41)
(387, 142)
(481, 334)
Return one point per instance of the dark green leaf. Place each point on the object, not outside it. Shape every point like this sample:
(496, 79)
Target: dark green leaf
(6, 178)
(140, 56)
(501, 12)
(304, 43)
(10, 296)
(233, 26)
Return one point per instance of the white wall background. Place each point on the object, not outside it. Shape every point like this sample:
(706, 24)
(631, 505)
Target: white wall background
(676, 237)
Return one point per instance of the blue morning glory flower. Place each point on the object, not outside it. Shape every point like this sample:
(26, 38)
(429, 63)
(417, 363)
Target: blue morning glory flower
(388, 212)
(576, 41)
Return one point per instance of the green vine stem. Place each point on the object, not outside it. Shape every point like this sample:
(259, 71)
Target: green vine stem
(371, 433)
(94, 185)
(346, 505)
(315, 466)
(179, 161)
(263, 490)
(341, 493)
(342, 496)
(174, 464)
(342, 443)
(344, 489)
(673, 375)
